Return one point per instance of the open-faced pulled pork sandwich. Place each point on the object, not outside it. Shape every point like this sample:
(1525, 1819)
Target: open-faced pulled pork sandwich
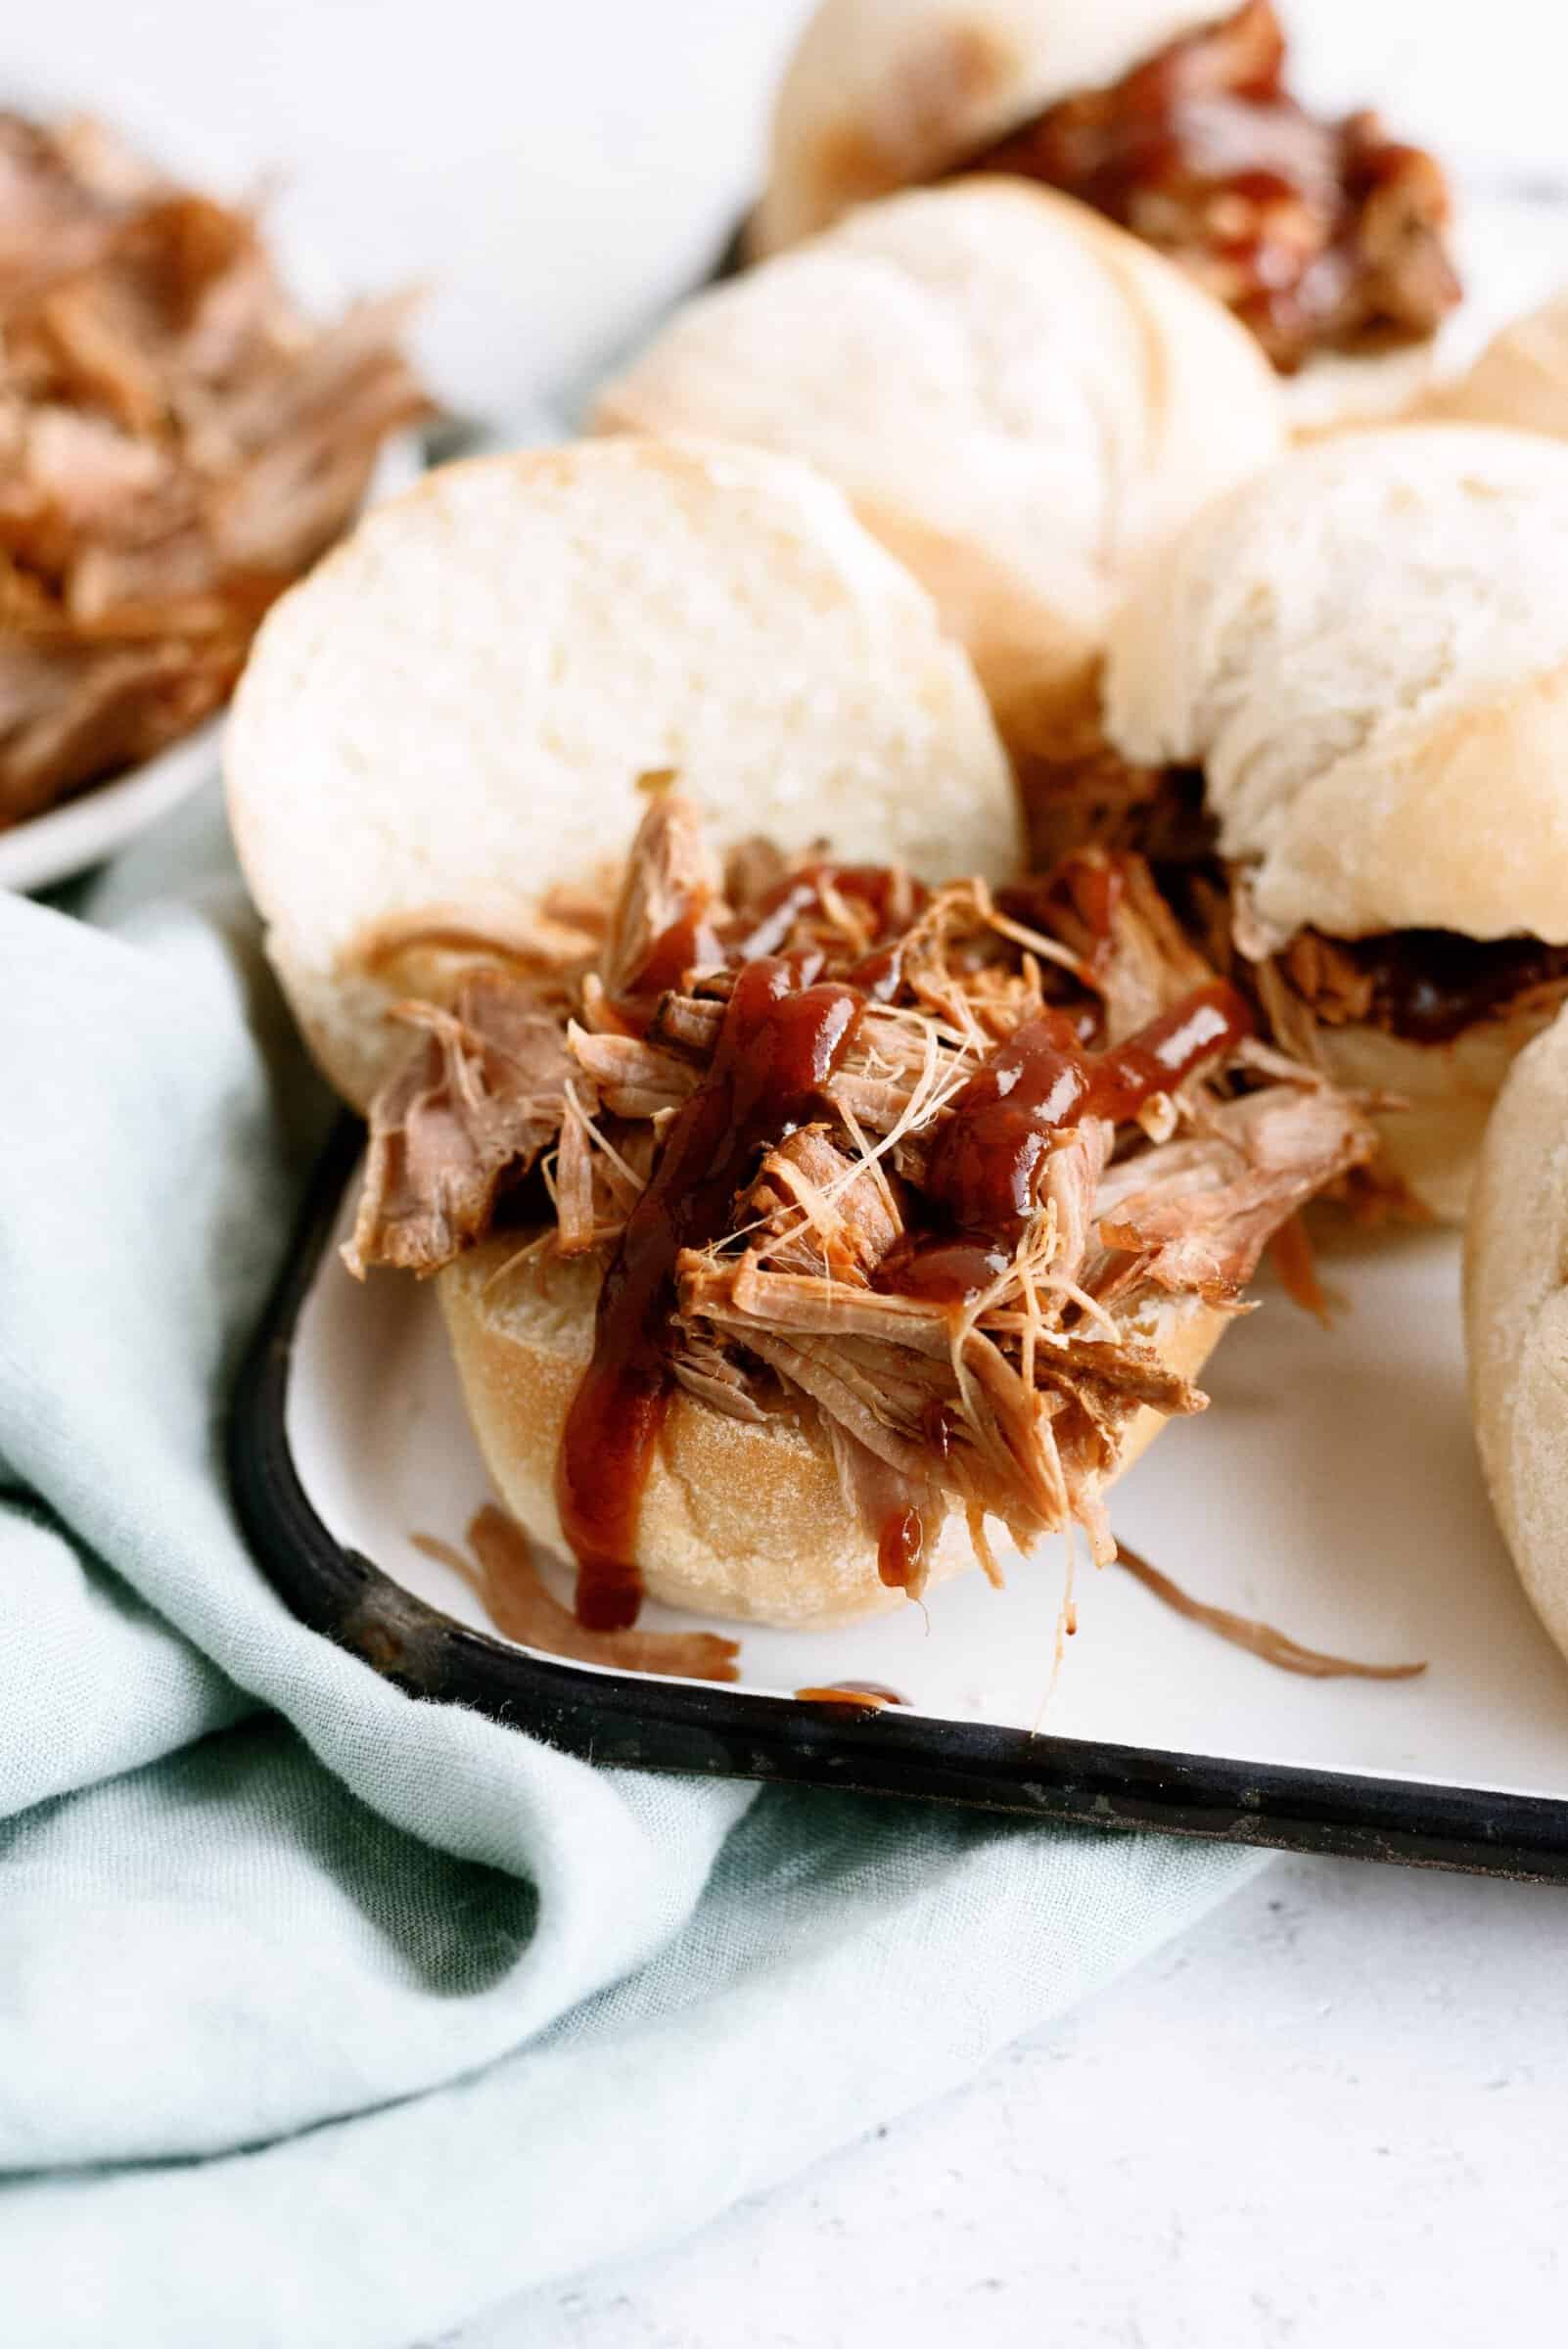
(1337, 719)
(1329, 238)
(808, 1221)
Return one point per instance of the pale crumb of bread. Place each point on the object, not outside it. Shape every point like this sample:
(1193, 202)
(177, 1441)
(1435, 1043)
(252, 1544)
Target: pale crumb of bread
(1445, 1094)
(459, 704)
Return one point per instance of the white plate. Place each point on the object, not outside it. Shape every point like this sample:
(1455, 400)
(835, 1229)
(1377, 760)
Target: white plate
(84, 830)
(1332, 1489)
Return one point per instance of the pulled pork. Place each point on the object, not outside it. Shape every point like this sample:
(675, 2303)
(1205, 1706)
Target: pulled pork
(176, 446)
(917, 1168)
(1318, 235)
(1426, 986)
(475, 1104)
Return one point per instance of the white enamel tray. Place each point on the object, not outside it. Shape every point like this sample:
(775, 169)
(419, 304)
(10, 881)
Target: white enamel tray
(1332, 1490)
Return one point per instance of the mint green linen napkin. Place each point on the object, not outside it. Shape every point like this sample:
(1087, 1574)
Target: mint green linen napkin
(329, 2018)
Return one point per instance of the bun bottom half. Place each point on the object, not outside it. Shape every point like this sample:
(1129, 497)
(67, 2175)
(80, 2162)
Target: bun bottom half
(741, 1521)
(1433, 1143)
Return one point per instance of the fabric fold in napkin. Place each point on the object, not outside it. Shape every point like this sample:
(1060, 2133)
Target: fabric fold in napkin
(327, 2017)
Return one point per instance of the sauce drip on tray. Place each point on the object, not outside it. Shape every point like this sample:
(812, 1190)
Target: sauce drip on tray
(861, 1696)
(779, 1045)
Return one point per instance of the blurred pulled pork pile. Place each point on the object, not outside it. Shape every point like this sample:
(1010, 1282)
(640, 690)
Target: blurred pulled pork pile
(177, 443)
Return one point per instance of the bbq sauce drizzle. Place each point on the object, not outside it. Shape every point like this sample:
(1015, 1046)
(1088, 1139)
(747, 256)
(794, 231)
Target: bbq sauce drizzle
(784, 1035)
(985, 1165)
(1208, 136)
(777, 1049)
(874, 887)
(985, 1160)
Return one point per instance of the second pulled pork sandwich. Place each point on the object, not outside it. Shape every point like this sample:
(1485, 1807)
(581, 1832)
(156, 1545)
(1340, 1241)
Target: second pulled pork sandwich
(1360, 663)
(1328, 238)
(806, 1221)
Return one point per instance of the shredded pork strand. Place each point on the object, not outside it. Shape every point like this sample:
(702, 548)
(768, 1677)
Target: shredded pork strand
(480, 1097)
(1010, 1400)
(673, 885)
(1255, 1638)
(177, 442)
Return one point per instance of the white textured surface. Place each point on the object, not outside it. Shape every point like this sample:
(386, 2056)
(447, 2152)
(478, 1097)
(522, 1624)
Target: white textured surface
(1330, 2121)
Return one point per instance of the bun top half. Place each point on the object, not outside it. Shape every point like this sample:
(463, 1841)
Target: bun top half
(1019, 399)
(450, 718)
(1366, 650)
(884, 94)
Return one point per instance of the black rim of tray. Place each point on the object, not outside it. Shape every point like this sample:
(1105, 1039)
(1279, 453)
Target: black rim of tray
(637, 1722)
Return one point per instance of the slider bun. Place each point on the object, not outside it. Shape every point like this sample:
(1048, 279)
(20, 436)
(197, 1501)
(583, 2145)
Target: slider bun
(1019, 399)
(1516, 1320)
(736, 1520)
(881, 94)
(450, 716)
(1366, 650)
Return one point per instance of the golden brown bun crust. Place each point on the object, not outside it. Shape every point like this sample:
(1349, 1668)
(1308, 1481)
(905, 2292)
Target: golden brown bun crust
(1516, 1320)
(737, 1521)
(1432, 1144)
